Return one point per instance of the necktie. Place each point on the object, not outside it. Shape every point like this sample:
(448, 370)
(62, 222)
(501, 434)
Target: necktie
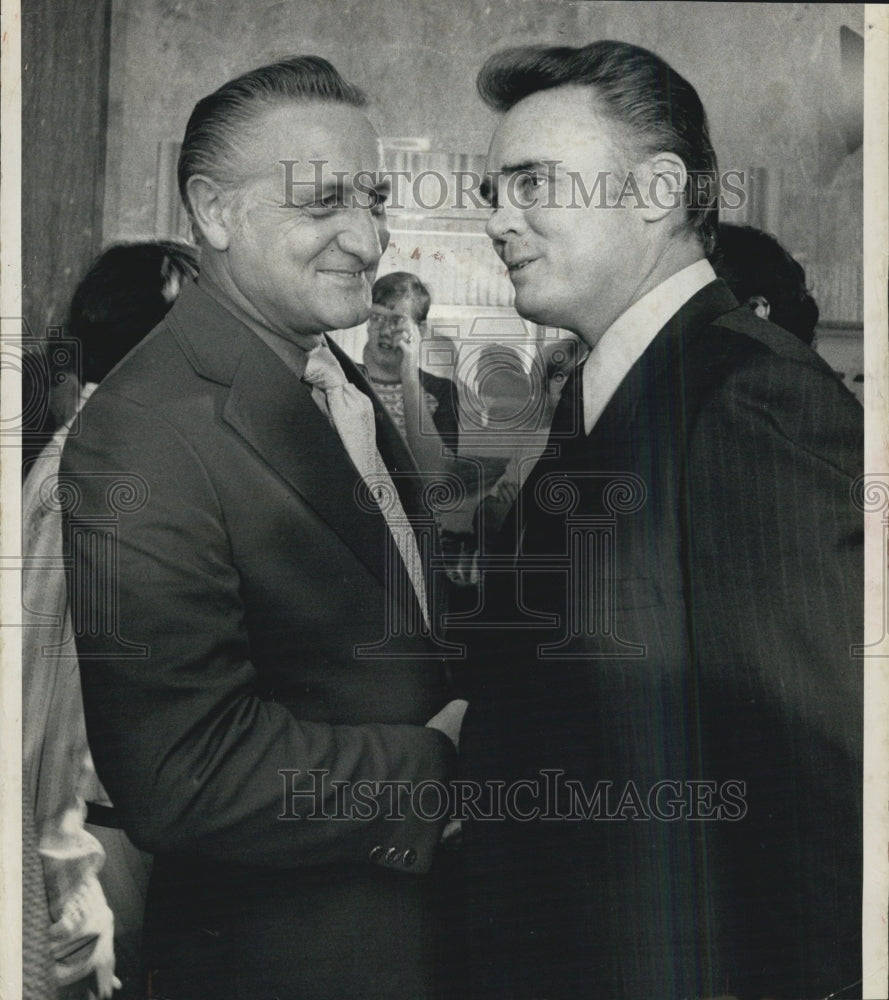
(352, 415)
(597, 389)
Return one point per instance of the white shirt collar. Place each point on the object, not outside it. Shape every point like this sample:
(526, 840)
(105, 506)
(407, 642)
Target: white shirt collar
(86, 390)
(624, 342)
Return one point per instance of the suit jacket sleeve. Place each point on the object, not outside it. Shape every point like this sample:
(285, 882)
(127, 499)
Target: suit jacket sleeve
(775, 601)
(777, 535)
(189, 751)
(445, 417)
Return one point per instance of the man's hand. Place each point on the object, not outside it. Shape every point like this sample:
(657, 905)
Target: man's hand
(505, 490)
(450, 719)
(83, 941)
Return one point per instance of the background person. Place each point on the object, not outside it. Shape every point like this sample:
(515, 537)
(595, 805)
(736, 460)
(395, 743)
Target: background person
(423, 406)
(559, 361)
(94, 879)
(766, 278)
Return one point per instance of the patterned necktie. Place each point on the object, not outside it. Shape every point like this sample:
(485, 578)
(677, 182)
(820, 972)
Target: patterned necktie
(352, 415)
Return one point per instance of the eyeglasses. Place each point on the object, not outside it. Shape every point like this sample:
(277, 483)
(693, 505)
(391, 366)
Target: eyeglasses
(387, 321)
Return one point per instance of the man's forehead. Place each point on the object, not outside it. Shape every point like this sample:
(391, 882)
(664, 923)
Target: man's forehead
(550, 125)
(318, 136)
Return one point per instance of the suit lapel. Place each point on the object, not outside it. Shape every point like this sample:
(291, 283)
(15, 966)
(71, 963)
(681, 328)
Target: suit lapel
(659, 380)
(275, 414)
(658, 389)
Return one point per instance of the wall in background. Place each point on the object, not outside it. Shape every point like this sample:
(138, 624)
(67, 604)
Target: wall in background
(772, 94)
(64, 91)
(768, 74)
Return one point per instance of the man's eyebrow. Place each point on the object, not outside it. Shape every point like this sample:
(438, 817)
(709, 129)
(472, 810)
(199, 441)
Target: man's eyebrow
(339, 187)
(487, 191)
(362, 181)
(524, 167)
(307, 191)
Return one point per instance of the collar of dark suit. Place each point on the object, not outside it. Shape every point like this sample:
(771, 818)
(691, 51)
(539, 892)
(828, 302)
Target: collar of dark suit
(682, 349)
(677, 335)
(276, 414)
(214, 335)
(213, 338)
(702, 309)
(675, 338)
(663, 368)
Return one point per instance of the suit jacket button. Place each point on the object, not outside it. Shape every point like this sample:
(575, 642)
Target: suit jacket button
(392, 855)
(409, 857)
(376, 853)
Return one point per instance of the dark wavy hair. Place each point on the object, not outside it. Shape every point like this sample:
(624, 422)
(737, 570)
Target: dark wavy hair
(655, 109)
(219, 129)
(753, 264)
(126, 292)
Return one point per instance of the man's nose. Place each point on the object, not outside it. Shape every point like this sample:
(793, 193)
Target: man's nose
(506, 219)
(365, 234)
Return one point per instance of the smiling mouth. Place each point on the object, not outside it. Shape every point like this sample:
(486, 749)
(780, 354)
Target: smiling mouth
(349, 275)
(519, 266)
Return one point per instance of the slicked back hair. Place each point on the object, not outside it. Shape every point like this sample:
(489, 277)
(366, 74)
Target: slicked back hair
(219, 129)
(654, 107)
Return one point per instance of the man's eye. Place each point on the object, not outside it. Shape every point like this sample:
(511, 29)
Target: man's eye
(532, 181)
(332, 201)
(324, 206)
(376, 201)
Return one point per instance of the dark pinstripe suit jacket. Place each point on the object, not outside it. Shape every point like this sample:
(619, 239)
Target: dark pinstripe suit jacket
(701, 617)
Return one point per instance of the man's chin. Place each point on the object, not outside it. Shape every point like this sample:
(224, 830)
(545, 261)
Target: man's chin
(346, 318)
(533, 310)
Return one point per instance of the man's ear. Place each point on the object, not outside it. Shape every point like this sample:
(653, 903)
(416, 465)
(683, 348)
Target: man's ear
(664, 177)
(210, 209)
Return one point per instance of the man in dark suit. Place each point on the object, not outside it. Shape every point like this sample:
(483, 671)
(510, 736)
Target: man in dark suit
(251, 609)
(667, 719)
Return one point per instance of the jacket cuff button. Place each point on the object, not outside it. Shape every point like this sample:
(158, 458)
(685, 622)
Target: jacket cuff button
(392, 855)
(376, 853)
(409, 858)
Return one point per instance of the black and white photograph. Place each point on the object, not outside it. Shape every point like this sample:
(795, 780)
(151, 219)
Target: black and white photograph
(445, 500)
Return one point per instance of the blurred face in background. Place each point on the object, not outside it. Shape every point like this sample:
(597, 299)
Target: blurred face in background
(388, 325)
